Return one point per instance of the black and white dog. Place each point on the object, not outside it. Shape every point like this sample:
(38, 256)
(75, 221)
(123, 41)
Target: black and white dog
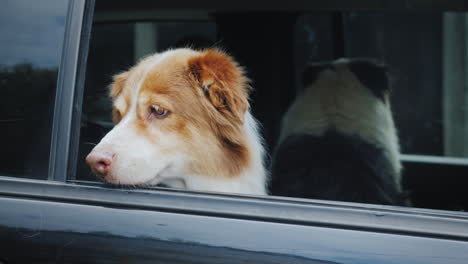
(338, 140)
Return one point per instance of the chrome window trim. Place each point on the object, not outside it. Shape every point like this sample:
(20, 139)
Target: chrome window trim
(64, 98)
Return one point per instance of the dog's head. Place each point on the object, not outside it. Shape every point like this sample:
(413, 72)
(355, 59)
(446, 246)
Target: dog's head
(176, 113)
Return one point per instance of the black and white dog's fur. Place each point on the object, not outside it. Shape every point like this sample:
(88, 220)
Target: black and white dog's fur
(338, 140)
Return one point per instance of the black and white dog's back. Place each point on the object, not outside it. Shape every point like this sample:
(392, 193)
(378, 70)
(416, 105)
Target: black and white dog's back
(338, 139)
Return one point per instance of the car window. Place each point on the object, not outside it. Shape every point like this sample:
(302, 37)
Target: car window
(382, 126)
(31, 39)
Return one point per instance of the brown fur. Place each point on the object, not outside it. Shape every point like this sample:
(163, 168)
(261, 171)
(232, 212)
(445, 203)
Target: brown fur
(224, 84)
(223, 81)
(118, 84)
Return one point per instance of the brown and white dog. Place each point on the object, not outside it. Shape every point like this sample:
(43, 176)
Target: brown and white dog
(182, 119)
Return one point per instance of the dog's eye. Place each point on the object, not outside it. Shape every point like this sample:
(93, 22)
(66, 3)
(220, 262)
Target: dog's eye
(158, 112)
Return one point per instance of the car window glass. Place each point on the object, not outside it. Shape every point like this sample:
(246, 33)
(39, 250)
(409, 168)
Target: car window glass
(31, 38)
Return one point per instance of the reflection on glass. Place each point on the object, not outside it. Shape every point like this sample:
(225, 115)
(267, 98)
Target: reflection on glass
(31, 37)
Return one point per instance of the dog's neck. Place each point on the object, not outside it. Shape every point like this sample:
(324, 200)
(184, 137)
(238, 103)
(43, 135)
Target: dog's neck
(252, 179)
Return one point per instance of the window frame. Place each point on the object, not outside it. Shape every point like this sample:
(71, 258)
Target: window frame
(70, 85)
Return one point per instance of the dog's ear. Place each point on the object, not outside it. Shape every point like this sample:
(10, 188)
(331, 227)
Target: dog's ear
(222, 81)
(118, 83)
(372, 74)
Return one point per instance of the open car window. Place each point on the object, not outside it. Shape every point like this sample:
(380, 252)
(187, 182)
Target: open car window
(421, 94)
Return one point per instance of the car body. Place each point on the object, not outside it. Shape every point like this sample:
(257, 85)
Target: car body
(62, 219)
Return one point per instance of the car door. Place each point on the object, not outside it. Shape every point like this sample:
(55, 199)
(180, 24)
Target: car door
(52, 210)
